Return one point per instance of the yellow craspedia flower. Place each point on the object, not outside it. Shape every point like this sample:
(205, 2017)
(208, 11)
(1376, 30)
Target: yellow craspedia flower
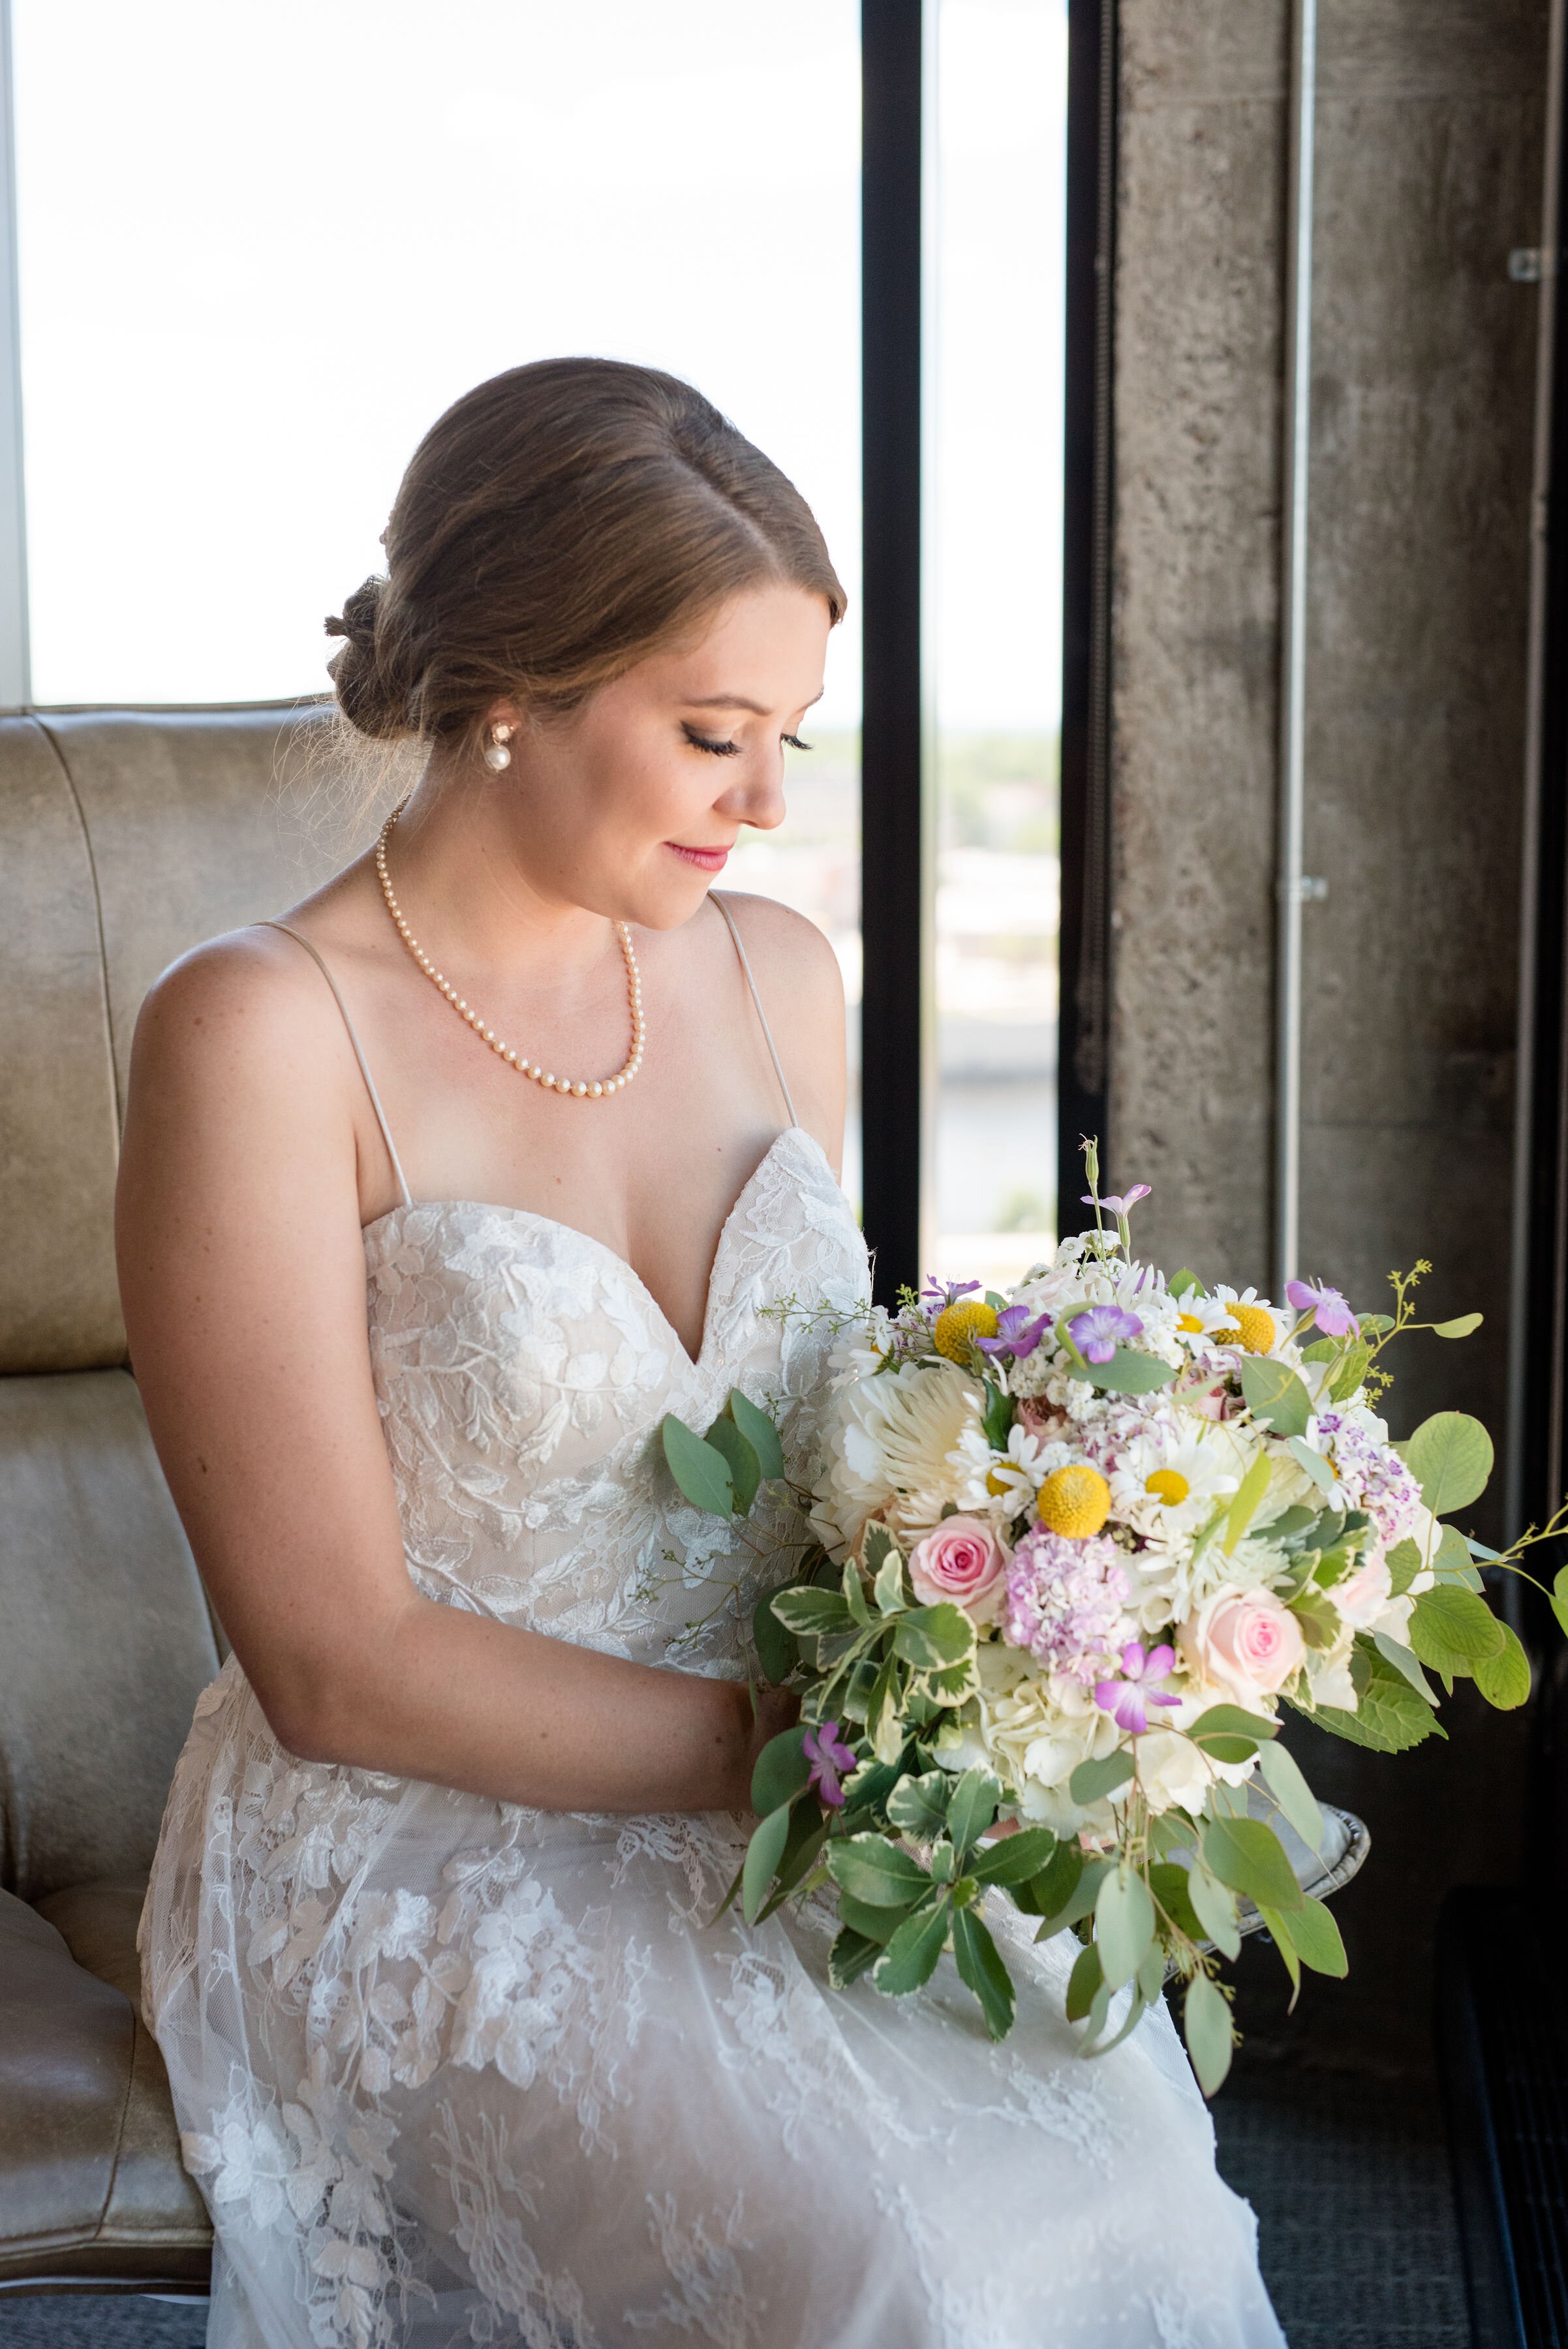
(1256, 1324)
(1168, 1485)
(958, 1326)
(1075, 1501)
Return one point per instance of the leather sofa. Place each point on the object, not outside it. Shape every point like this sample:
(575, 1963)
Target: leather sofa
(125, 837)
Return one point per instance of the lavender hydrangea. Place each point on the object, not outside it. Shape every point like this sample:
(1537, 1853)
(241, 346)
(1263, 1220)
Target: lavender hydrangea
(1066, 1603)
(1370, 1477)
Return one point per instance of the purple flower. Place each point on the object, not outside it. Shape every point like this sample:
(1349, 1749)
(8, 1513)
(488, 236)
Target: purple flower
(1333, 1315)
(1016, 1334)
(1066, 1603)
(943, 1292)
(830, 1760)
(1119, 1203)
(1128, 1700)
(1099, 1331)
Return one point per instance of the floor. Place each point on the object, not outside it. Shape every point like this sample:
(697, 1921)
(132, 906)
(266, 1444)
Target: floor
(1349, 2177)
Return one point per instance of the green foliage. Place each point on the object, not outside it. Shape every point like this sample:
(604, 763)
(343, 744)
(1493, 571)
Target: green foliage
(911, 1957)
(876, 1871)
(781, 1771)
(745, 1468)
(1559, 1597)
(759, 1432)
(1214, 1906)
(1390, 1716)
(1169, 1883)
(1016, 1859)
(1460, 1327)
(1127, 1372)
(1317, 1615)
(701, 1473)
(930, 1637)
(973, 1808)
(1403, 1565)
(1316, 1937)
(1092, 1780)
(1231, 1721)
(1124, 1924)
(981, 1971)
(1504, 1678)
(1186, 1284)
(1250, 1858)
(1282, 1775)
(1050, 1891)
(1083, 1984)
(809, 1612)
(1314, 1464)
(920, 1805)
(776, 1650)
(1453, 1630)
(850, 1955)
(996, 1421)
(1206, 2027)
(1351, 1371)
(763, 1854)
(1275, 1395)
(1245, 1504)
(1450, 1457)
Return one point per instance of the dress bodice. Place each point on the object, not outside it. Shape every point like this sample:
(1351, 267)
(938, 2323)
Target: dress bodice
(523, 1371)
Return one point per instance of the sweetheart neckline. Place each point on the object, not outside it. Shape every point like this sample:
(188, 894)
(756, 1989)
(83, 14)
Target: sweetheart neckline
(554, 1223)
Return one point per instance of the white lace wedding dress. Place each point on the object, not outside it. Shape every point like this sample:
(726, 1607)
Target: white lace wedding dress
(451, 2071)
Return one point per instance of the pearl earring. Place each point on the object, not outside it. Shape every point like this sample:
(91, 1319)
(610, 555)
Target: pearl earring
(497, 757)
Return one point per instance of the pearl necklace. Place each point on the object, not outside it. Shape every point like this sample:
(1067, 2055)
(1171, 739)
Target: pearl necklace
(601, 1089)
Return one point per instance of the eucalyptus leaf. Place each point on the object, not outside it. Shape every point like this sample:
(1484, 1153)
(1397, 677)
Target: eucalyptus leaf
(1452, 1562)
(1093, 1780)
(1282, 1775)
(1206, 2027)
(1214, 1906)
(1504, 1678)
(745, 1468)
(1127, 1372)
(1124, 1925)
(1231, 1721)
(759, 1432)
(1244, 1506)
(1312, 1463)
(1275, 1395)
(1082, 1983)
(1450, 1457)
(1168, 1882)
(781, 1772)
(1250, 1858)
(1279, 1932)
(1186, 1284)
(1559, 1597)
(1351, 1372)
(1316, 1937)
(776, 1650)
(701, 1473)
(1079, 1903)
(763, 1854)
(911, 1957)
(1055, 1885)
(981, 1969)
(1460, 1327)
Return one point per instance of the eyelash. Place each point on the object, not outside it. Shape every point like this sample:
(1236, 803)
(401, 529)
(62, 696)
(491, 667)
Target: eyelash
(732, 749)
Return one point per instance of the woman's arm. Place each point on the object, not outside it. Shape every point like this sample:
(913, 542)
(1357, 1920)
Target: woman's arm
(243, 1272)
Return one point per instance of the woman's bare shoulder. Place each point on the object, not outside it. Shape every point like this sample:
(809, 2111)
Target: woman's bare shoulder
(794, 962)
(248, 1011)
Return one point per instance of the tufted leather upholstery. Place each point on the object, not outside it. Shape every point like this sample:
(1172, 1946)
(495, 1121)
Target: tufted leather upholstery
(126, 836)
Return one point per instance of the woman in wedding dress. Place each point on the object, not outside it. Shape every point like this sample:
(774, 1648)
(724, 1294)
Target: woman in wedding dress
(437, 1196)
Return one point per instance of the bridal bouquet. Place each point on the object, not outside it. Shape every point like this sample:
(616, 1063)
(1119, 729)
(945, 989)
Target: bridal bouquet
(1065, 1554)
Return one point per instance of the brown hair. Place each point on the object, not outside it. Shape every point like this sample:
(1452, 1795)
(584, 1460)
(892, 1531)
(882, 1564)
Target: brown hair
(556, 526)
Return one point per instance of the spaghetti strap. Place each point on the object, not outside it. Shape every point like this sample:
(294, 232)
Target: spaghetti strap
(756, 999)
(408, 1199)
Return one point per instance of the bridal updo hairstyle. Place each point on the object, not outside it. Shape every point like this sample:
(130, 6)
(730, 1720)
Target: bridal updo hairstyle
(555, 526)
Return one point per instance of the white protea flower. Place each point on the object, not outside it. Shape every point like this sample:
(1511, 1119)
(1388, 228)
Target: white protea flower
(893, 1448)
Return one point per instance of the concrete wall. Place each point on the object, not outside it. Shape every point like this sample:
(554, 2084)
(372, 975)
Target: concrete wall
(1429, 135)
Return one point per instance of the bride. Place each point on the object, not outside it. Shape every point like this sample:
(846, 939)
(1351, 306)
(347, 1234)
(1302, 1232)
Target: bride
(436, 1197)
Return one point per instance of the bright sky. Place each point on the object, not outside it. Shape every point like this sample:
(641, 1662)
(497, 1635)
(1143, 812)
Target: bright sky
(262, 248)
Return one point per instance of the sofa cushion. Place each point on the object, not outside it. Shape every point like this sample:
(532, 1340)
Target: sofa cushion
(90, 2182)
(104, 1638)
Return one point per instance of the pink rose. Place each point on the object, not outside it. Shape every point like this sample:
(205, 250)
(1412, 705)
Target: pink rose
(961, 1560)
(1245, 1640)
(1363, 1596)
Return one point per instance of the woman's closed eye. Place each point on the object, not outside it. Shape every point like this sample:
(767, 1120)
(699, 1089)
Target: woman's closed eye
(733, 750)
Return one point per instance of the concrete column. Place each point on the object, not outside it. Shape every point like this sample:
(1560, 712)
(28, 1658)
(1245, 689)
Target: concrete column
(1428, 170)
